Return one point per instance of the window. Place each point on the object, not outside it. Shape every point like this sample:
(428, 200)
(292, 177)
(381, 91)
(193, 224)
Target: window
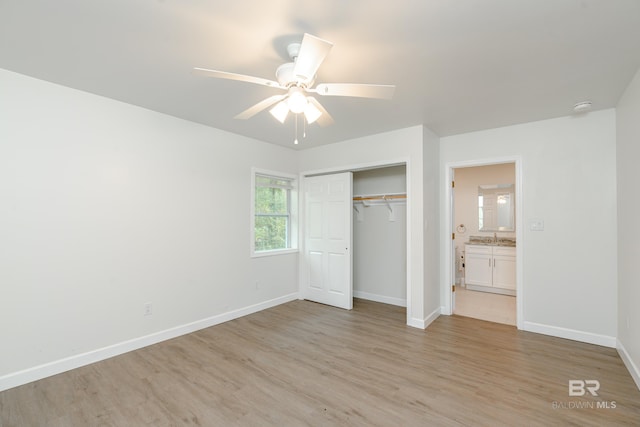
(273, 207)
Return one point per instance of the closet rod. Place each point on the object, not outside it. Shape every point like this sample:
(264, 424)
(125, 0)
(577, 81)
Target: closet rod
(382, 197)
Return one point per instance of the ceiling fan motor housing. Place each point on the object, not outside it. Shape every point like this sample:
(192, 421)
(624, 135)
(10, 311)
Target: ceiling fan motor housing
(286, 78)
(284, 74)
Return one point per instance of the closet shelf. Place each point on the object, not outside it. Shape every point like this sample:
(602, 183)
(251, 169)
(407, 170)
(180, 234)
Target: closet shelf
(387, 200)
(380, 197)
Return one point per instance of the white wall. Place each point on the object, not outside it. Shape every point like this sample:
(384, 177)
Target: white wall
(628, 154)
(431, 224)
(385, 180)
(405, 145)
(106, 206)
(379, 244)
(568, 181)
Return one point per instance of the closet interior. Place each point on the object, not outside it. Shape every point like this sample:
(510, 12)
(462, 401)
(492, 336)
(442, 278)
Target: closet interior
(380, 235)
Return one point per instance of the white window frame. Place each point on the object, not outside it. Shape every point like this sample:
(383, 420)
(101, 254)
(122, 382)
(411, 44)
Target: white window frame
(293, 213)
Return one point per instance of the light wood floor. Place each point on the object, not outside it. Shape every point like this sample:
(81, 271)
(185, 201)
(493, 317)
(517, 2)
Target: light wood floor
(303, 363)
(485, 306)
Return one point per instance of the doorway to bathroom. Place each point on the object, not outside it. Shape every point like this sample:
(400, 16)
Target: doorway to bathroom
(484, 241)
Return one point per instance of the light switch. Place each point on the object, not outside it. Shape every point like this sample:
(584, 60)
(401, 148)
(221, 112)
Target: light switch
(536, 225)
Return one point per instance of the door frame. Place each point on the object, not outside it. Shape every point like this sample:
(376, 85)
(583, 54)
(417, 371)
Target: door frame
(355, 168)
(449, 225)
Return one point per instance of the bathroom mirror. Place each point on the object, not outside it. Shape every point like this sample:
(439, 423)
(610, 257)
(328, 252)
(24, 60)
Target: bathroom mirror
(496, 207)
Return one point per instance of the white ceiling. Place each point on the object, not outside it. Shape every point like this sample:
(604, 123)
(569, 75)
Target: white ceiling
(459, 66)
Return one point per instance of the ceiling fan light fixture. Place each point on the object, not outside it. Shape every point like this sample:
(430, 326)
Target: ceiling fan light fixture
(297, 101)
(280, 111)
(311, 113)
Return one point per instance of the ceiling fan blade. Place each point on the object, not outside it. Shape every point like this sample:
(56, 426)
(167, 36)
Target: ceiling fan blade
(313, 50)
(262, 105)
(355, 90)
(233, 76)
(325, 119)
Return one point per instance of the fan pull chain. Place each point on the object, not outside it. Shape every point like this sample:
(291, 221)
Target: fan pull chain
(295, 141)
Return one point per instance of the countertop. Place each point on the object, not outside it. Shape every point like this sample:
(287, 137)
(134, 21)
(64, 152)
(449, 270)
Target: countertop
(489, 241)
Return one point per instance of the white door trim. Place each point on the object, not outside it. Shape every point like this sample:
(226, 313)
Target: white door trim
(448, 227)
(354, 168)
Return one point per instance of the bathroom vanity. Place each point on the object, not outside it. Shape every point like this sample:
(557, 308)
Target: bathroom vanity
(490, 265)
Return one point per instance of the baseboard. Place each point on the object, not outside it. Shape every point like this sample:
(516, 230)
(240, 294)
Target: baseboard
(571, 334)
(445, 310)
(56, 367)
(431, 317)
(628, 362)
(380, 298)
(424, 323)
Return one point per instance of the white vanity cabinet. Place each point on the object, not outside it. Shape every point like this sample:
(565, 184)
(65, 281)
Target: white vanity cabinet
(491, 268)
(478, 265)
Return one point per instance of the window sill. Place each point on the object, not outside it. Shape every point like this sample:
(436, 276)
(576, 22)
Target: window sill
(273, 253)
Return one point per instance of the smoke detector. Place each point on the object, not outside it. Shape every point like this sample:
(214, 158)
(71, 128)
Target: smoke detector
(582, 107)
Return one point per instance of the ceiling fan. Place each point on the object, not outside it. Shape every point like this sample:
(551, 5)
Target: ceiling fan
(297, 78)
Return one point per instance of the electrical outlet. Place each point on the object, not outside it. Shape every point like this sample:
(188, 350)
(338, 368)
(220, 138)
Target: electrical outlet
(148, 309)
(257, 285)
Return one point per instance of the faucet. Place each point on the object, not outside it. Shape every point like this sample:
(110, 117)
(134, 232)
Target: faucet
(495, 237)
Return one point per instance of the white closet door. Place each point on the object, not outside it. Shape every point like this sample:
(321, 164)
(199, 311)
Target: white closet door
(327, 260)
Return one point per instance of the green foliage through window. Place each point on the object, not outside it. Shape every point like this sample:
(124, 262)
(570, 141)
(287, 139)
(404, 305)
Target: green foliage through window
(272, 213)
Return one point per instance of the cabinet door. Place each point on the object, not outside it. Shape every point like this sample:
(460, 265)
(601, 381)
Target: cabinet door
(478, 268)
(504, 271)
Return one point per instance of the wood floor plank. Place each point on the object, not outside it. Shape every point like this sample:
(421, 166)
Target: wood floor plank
(303, 363)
